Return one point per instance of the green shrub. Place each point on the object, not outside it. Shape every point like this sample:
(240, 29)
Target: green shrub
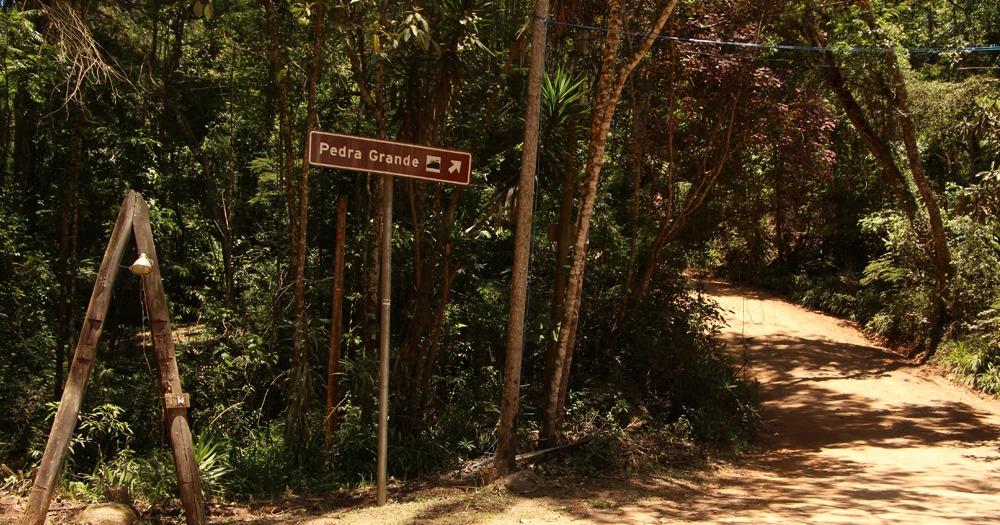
(973, 361)
(668, 364)
(260, 465)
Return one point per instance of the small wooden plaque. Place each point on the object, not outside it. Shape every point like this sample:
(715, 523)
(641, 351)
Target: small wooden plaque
(177, 400)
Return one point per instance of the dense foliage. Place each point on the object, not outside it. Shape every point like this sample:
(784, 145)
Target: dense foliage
(735, 158)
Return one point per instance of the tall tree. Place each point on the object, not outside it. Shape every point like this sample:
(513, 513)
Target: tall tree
(609, 88)
(300, 379)
(511, 396)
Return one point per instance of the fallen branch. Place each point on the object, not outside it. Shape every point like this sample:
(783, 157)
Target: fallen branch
(529, 458)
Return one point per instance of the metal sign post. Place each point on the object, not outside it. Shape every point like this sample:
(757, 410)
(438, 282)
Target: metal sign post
(333, 150)
(385, 282)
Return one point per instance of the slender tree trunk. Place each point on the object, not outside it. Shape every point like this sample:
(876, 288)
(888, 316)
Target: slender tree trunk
(600, 126)
(610, 85)
(425, 368)
(372, 265)
(6, 116)
(68, 236)
(433, 341)
(25, 127)
(511, 393)
(432, 263)
(225, 209)
(279, 81)
(336, 326)
(564, 233)
(780, 238)
(941, 254)
(635, 152)
(407, 364)
(301, 388)
(373, 97)
(943, 270)
(228, 196)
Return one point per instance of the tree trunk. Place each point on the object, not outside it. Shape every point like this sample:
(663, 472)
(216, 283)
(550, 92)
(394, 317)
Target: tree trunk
(6, 116)
(68, 236)
(940, 252)
(564, 232)
(228, 196)
(780, 237)
(300, 385)
(279, 81)
(635, 151)
(336, 326)
(511, 393)
(600, 126)
(433, 342)
(25, 127)
(373, 98)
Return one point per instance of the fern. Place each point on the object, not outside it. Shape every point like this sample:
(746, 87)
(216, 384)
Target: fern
(989, 381)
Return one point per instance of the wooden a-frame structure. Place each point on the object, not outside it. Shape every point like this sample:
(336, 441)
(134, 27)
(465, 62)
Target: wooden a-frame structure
(133, 221)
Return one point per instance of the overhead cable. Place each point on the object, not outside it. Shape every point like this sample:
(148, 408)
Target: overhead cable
(789, 47)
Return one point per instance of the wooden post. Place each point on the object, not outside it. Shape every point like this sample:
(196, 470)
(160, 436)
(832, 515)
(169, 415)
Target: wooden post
(336, 329)
(175, 400)
(133, 219)
(79, 371)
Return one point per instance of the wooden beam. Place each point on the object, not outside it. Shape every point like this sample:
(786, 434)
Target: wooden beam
(79, 372)
(188, 479)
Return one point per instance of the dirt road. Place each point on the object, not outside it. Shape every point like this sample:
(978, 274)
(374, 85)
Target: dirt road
(852, 435)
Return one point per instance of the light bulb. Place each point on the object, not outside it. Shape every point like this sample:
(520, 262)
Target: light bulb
(142, 265)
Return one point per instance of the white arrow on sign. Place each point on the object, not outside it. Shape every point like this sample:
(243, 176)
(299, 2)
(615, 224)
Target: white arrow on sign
(456, 166)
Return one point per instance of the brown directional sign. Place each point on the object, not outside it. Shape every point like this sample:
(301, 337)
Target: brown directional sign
(334, 150)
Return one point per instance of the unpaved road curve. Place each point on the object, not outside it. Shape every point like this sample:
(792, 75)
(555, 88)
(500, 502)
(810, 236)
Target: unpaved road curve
(853, 436)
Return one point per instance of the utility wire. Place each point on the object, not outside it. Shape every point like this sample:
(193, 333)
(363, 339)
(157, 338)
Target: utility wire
(789, 47)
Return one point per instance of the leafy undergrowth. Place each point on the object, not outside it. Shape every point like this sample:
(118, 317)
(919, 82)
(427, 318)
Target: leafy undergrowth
(662, 392)
(974, 362)
(584, 474)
